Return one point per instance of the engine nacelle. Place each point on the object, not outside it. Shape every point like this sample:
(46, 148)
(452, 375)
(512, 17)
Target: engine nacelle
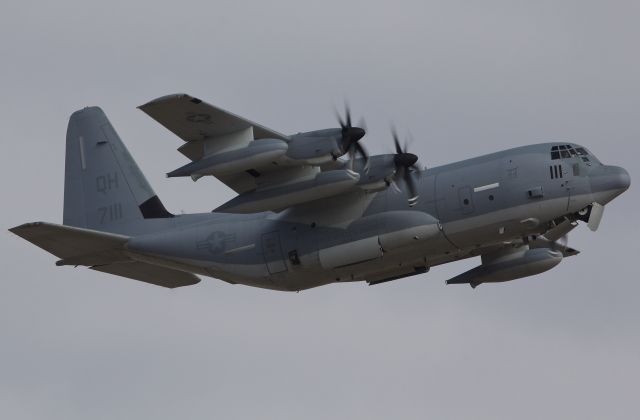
(510, 265)
(378, 173)
(315, 147)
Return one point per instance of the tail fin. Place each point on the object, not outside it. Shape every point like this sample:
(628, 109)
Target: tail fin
(103, 187)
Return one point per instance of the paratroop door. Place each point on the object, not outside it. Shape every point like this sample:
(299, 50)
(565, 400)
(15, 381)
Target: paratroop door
(272, 252)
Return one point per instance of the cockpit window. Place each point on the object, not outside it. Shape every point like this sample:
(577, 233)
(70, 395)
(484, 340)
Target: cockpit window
(567, 151)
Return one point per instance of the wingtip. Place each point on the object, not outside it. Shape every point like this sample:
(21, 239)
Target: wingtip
(165, 98)
(24, 226)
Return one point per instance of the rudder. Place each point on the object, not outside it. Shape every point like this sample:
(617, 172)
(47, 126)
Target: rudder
(104, 187)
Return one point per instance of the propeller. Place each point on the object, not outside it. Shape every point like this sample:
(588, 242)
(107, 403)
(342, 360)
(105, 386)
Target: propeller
(349, 143)
(405, 164)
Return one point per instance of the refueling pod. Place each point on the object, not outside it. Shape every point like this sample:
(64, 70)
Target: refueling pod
(258, 153)
(510, 265)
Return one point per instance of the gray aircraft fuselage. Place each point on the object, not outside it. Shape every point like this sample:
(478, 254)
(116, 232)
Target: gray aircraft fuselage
(466, 209)
(329, 220)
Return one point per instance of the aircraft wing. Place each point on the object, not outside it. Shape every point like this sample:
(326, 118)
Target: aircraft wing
(215, 136)
(194, 121)
(268, 170)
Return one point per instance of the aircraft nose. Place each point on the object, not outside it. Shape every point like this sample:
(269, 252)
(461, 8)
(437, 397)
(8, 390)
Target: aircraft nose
(624, 179)
(612, 179)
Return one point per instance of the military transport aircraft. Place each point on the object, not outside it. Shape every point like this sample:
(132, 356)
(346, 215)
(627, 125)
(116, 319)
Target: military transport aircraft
(314, 208)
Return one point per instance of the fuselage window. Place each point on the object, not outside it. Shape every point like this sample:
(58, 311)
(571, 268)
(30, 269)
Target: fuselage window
(567, 151)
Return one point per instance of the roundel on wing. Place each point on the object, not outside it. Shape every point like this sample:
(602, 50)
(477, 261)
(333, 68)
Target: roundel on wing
(198, 118)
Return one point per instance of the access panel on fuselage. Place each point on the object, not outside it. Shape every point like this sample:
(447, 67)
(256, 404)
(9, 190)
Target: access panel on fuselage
(468, 196)
(466, 190)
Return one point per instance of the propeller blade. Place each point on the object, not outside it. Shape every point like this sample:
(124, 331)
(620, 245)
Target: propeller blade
(347, 114)
(339, 117)
(395, 187)
(411, 186)
(396, 142)
(362, 151)
(362, 123)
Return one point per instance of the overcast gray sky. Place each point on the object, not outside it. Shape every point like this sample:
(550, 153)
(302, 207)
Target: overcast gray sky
(466, 78)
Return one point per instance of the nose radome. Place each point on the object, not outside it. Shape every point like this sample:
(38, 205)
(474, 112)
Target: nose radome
(607, 182)
(620, 179)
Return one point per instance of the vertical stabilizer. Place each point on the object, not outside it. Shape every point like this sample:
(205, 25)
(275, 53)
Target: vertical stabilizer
(104, 188)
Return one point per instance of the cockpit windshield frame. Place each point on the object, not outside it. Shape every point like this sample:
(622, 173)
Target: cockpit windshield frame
(567, 151)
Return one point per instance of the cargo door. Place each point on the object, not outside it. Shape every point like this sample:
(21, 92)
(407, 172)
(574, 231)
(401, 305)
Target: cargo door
(272, 252)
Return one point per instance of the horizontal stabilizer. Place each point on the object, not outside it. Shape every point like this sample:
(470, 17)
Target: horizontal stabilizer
(101, 251)
(73, 245)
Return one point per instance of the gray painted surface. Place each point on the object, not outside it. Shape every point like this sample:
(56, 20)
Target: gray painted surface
(464, 78)
(482, 204)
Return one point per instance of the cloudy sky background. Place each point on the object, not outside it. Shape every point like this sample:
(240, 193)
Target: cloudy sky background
(465, 78)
